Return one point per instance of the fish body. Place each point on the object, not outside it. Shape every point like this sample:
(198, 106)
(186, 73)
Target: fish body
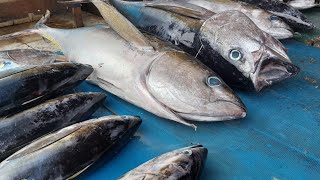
(293, 17)
(145, 72)
(69, 151)
(23, 86)
(27, 57)
(265, 20)
(302, 4)
(185, 163)
(245, 57)
(20, 129)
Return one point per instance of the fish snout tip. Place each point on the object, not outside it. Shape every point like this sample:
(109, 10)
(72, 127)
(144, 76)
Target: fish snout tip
(273, 70)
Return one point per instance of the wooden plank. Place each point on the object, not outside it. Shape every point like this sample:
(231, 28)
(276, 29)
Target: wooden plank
(77, 15)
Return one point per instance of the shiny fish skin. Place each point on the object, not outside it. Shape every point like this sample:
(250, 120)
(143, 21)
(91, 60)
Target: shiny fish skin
(302, 4)
(265, 20)
(27, 57)
(293, 17)
(209, 39)
(22, 128)
(25, 86)
(182, 164)
(141, 73)
(69, 151)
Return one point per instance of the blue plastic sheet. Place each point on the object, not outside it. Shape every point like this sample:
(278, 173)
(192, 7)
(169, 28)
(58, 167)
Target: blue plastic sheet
(279, 139)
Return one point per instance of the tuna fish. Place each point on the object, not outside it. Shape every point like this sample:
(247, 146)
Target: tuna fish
(20, 129)
(146, 72)
(265, 20)
(22, 87)
(186, 163)
(293, 17)
(229, 42)
(69, 151)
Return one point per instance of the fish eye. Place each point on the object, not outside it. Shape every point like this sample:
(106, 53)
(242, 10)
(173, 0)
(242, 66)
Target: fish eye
(274, 18)
(235, 55)
(187, 152)
(213, 81)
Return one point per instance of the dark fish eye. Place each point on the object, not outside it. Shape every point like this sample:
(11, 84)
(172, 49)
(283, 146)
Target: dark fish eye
(213, 81)
(274, 18)
(235, 55)
(187, 152)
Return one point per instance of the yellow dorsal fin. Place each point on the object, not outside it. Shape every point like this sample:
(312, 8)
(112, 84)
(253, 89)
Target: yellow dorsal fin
(122, 26)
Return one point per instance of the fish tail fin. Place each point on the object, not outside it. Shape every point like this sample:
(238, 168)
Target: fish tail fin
(39, 25)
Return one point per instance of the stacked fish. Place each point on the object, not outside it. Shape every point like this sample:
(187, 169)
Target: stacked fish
(171, 58)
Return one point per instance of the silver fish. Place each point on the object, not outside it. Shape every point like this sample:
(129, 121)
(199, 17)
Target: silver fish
(22, 87)
(22, 128)
(246, 57)
(302, 4)
(293, 17)
(186, 163)
(71, 150)
(164, 81)
(265, 20)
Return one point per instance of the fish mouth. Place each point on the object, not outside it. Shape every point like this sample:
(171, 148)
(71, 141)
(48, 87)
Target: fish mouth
(282, 33)
(272, 70)
(226, 110)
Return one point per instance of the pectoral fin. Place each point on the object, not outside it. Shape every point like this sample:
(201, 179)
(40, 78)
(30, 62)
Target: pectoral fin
(122, 26)
(184, 9)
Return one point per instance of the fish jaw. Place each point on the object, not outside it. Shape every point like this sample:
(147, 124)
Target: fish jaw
(271, 71)
(281, 33)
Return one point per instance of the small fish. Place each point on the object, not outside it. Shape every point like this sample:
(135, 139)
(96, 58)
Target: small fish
(228, 42)
(302, 4)
(293, 17)
(27, 57)
(22, 87)
(265, 20)
(186, 163)
(162, 80)
(22, 128)
(71, 150)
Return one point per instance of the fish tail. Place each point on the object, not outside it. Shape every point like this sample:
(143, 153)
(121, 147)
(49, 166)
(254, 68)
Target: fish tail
(41, 23)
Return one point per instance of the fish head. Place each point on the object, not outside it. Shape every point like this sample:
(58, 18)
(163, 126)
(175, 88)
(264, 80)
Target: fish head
(82, 71)
(185, 163)
(116, 127)
(256, 54)
(267, 21)
(191, 90)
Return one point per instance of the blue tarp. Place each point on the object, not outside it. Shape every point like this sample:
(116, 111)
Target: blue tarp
(279, 139)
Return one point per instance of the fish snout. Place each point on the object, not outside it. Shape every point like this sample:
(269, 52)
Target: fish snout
(273, 70)
(133, 121)
(282, 33)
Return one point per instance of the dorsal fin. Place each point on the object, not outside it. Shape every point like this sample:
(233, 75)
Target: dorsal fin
(122, 26)
(185, 9)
